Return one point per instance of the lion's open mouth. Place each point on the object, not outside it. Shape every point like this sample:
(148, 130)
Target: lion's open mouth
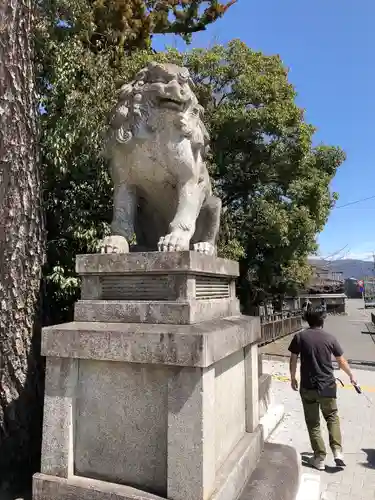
(171, 103)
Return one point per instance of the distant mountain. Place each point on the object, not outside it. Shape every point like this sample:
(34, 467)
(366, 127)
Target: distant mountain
(351, 268)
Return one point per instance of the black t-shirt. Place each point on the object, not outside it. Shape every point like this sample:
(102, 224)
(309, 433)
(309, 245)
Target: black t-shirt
(316, 347)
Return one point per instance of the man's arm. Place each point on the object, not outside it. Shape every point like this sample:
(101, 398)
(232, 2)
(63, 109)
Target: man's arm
(294, 350)
(293, 371)
(341, 361)
(344, 366)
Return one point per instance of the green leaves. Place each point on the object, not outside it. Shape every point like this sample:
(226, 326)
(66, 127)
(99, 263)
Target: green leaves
(273, 182)
(128, 25)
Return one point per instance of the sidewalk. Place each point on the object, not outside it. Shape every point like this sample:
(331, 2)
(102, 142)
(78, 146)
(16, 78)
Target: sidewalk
(357, 480)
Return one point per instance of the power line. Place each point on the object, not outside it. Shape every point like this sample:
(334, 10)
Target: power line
(356, 201)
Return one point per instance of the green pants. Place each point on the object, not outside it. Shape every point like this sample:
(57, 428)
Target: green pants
(312, 404)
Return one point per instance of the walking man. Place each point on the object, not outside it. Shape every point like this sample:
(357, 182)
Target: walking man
(318, 385)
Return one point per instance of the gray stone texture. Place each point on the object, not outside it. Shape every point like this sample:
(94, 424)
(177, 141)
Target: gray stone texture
(58, 421)
(175, 313)
(229, 414)
(156, 287)
(184, 345)
(191, 434)
(121, 424)
(81, 488)
(252, 387)
(141, 288)
(155, 263)
(240, 464)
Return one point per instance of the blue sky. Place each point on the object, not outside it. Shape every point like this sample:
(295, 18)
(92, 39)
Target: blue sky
(329, 47)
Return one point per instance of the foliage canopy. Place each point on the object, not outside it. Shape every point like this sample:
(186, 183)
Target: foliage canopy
(126, 25)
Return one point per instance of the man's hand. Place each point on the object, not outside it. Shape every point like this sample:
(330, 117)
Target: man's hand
(293, 370)
(344, 366)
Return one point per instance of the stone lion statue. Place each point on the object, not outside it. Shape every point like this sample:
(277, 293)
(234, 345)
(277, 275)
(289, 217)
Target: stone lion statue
(156, 145)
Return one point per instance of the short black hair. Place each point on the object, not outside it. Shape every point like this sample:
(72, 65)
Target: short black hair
(315, 318)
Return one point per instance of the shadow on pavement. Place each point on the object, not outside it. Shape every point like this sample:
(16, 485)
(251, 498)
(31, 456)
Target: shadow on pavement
(370, 452)
(330, 469)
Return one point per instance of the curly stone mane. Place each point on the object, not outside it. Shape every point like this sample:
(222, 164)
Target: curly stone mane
(135, 115)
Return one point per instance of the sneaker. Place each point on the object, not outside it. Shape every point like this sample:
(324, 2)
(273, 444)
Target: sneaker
(339, 458)
(317, 463)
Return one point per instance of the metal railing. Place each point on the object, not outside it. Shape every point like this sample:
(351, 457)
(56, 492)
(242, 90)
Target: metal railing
(276, 326)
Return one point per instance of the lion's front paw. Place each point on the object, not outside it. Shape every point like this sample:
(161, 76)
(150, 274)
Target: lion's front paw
(204, 247)
(174, 242)
(114, 244)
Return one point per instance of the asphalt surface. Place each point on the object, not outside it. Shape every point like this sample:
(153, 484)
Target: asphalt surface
(350, 330)
(352, 333)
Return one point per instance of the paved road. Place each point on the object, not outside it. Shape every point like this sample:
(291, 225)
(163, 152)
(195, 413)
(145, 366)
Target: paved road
(352, 333)
(350, 330)
(357, 481)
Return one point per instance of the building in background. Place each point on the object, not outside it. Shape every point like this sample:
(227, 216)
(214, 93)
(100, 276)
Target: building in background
(325, 287)
(351, 289)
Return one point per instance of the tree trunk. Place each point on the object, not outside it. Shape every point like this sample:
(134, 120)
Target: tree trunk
(21, 241)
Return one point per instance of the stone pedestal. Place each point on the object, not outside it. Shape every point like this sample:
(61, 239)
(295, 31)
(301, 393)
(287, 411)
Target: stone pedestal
(270, 413)
(152, 392)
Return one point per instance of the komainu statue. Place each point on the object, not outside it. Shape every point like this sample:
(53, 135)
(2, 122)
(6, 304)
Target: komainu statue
(156, 146)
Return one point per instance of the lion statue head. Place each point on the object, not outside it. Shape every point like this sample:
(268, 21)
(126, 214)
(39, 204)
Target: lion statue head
(158, 92)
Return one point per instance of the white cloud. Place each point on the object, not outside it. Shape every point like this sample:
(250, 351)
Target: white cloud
(368, 256)
(364, 251)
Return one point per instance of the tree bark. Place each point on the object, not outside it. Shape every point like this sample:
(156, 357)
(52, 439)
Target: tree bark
(21, 240)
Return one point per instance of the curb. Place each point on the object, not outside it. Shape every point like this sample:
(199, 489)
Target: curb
(271, 420)
(309, 488)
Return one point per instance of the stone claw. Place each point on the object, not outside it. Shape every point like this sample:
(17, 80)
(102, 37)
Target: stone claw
(173, 242)
(114, 244)
(204, 247)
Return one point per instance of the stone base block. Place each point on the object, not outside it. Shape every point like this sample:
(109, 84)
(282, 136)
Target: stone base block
(229, 483)
(182, 345)
(171, 410)
(158, 312)
(80, 488)
(156, 287)
(239, 466)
